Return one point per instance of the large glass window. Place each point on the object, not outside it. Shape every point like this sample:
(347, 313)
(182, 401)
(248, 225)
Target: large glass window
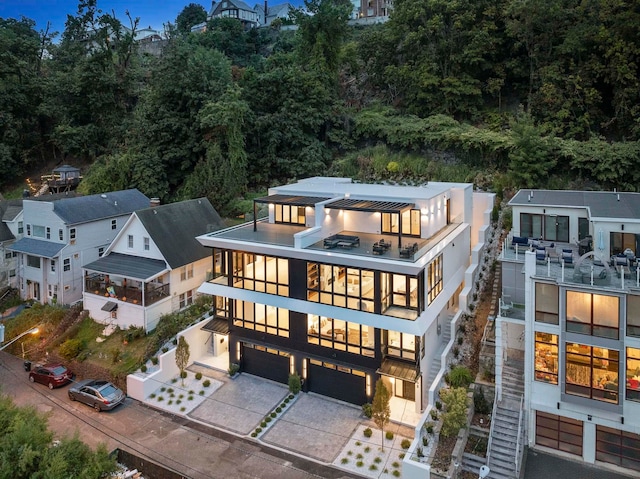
(350, 288)
(592, 372)
(38, 231)
(401, 345)
(556, 228)
(260, 317)
(400, 295)
(434, 278)
(261, 273)
(341, 335)
(33, 261)
(593, 314)
(633, 374)
(618, 447)
(620, 242)
(410, 223)
(290, 214)
(546, 351)
(547, 303)
(633, 315)
(530, 225)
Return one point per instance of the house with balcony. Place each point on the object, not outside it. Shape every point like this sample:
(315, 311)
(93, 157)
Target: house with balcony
(570, 316)
(237, 9)
(61, 233)
(344, 283)
(153, 267)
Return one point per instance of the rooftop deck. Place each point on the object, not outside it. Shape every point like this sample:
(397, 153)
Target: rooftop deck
(283, 235)
(590, 270)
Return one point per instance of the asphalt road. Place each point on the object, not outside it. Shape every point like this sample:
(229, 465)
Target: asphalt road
(194, 450)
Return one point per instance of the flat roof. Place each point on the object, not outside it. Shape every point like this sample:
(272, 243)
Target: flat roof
(294, 200)
(135, 267)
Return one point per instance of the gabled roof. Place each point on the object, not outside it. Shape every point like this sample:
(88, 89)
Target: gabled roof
(601, 204)
(9, 209)
(174, 227)
(84, 209)
(236, 3)
(34, 247)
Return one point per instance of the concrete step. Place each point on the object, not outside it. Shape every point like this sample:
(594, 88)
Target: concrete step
(472, 463)
(498, 472)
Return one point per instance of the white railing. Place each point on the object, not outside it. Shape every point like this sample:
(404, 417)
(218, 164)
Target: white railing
(517, 461)
(493, 421)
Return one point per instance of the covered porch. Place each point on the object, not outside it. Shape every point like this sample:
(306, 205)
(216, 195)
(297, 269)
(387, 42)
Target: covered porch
(129, 279)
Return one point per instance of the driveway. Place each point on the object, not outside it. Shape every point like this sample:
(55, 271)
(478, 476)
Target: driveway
(540, 464)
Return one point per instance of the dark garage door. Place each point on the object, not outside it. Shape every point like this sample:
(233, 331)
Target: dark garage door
(337, 382)
(267, 363)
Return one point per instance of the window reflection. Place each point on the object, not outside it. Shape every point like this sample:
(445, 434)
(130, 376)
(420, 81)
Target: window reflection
(546, 354)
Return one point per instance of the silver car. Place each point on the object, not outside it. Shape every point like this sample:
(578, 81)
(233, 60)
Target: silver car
(100, 395)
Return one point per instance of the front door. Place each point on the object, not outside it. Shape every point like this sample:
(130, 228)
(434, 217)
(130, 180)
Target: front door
(405, 390)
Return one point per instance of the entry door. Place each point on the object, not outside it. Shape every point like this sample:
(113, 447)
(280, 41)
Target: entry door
(36, 291)
(405, 389)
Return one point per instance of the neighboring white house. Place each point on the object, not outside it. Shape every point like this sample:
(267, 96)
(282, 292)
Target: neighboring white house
(153, 266)
(572, 315)
(346, 283)
(11, 230)
(62, 234)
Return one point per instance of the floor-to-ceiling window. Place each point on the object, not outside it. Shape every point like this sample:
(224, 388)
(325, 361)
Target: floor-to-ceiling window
(258, 272)
(546, 357)
(592, 372)
(341, 335)
(593, 314)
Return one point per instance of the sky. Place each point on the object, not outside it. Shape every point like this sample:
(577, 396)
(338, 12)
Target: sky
(152, 13)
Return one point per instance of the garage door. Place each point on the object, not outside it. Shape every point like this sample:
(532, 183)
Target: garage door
(337, 382)
(265, 362)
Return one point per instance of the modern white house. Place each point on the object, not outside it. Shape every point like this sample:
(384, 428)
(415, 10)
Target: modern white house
(61, 234)
(344, 283)
(153, 266)
(570, 317)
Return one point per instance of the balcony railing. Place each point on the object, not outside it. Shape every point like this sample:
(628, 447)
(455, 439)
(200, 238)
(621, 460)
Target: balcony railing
(153, 292)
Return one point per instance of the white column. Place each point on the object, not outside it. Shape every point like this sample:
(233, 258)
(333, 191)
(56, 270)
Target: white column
(589, 442)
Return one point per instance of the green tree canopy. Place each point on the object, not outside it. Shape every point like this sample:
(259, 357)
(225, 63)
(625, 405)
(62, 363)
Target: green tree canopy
(191, 15)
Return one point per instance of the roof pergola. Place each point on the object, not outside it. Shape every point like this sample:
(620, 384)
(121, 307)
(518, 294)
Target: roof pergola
(369, 206)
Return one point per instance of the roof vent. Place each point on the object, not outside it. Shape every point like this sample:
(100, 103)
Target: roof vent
(103, 196)
(618, 195)
(115, 203)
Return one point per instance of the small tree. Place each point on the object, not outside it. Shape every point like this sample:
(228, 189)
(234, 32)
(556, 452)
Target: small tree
(455, 416)
(294, 383)
(380, 409)
(182, 356)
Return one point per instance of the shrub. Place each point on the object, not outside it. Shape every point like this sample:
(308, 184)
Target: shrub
(183, 409)
(456, 416)
(344, 460)
(198, 376)
(377, 460)
(253, 434)
(389, 435)
(163, 389)
(396, 473)
(405, 444)
(425, 441)
(460, 340)
(178, 401)
(263, 424)
(294, 383)
(419, 451)
(174, 380)
(359, 456)
(170, 390)
(434, 414)
(286, 400)
(349, 453)
(460, 377)
(278, 409)
(201, 393)
(152, 395)
(367, 410)
(170, 402)
(358, 443)
(368, 432)
(401, 455)
(456, 351)
(190, 398)
(373, 467)
(367, 449)
(191, 391)
(438, 405)
(165, 349)
(273, 415)
(154, 360)
(160, 399)
(174, 341)
(395, 464)
(267, 419)
(447, 379)
(429, 428)
(181, 396)
(143, 368)
(291, 396)
(480, 403)
(206, 383)
(258, 430)
(234, 368)
(183, 374)
(360, 463)
(71, 348)
(283, 405)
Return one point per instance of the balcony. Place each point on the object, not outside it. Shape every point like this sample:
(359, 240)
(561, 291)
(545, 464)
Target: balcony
(127, 291)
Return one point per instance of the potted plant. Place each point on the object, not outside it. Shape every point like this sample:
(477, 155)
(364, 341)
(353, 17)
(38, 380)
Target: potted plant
(234, 370)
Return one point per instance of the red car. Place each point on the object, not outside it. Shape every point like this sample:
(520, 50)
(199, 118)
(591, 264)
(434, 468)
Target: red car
(53, 375)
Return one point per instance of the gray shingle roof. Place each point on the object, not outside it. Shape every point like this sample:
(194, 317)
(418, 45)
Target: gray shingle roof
(142, 269)
(602, 204)
(174, 227)
(84, 209)
(46, 249)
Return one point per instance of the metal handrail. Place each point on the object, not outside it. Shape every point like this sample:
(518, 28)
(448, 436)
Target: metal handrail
(517, 460)
(493, 421)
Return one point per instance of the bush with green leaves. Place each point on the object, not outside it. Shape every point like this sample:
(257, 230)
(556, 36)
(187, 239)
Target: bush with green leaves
(234, 368)
(455, 416)
(367, 410)
(71, 348)
(367, 432)
(388, 435)
(295, 384)
(206, 383)
(198, 376)
(405, 444)
(480, 403)
(460, 377)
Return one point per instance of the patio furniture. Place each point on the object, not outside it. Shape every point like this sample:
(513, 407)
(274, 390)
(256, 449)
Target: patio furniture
(567, 257)
(541, 254)
(520, 241)
(553, 255)
(381, 247)
(506, 304)
(342, 241)
(409, 250)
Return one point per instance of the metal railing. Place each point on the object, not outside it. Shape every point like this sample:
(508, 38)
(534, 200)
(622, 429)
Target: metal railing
(491, 428)
(520, 432)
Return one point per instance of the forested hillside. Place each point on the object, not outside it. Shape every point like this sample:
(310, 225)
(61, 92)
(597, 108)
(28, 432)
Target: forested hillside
(505, 93)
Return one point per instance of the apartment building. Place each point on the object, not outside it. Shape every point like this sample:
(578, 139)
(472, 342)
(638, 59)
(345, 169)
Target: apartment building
(344, 283)
(570, 310)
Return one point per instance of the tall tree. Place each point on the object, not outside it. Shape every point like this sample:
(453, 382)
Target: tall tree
(191, 15)
(380, 409)
(182, 356)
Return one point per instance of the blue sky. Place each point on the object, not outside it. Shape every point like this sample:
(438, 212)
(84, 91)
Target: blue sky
(151, 13)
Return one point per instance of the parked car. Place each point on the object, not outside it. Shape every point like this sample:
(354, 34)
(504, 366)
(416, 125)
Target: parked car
(52, 375)
(100, 395)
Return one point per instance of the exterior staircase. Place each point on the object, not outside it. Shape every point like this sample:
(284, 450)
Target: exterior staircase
(436, 365)
(505, 447)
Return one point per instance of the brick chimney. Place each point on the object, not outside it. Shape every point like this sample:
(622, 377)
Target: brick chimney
(153, 202)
